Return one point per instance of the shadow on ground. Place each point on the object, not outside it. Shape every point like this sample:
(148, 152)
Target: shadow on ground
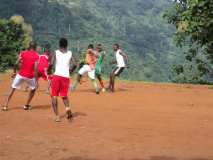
(41, 107)
(151, 158)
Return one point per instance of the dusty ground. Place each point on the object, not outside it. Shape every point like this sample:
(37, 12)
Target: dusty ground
(139, 122)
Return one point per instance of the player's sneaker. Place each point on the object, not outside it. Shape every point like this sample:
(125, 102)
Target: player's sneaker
(27, 107)
(4, 108)
(69, 114)
(57, 119)
(97, 91)
(103, 90)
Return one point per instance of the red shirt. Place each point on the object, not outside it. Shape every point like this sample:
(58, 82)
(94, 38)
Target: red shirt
(43, 63)
(28, 59)
(91, 59)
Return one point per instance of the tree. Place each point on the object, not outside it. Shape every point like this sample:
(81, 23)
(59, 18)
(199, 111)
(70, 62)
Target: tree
(193, 20)
(15, 35)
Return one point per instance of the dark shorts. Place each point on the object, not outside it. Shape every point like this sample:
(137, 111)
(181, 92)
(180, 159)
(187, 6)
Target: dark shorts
(118, 70)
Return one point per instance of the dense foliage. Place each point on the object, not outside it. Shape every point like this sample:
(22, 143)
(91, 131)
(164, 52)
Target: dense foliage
(137, 25)
(194, 23)
(14, 35)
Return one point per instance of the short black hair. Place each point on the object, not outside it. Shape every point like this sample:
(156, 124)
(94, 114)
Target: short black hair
(63, 43)
(47, 46)
(32, 45)
(117, 45)
(90, 46)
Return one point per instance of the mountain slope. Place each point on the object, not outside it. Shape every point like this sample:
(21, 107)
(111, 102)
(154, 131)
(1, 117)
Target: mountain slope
(137, 25)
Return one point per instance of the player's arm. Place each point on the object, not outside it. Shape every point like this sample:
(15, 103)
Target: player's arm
(104, 52)
(73, 65)
(50, 57)
(113, 61)
(16, 65)
(36, 70)
(51, 63)
(125, 57)
(93, 52)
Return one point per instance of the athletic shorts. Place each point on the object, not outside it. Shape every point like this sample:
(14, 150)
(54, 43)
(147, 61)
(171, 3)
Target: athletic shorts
(87, 69)
(118, 70)
(59, 86)
(19, 80)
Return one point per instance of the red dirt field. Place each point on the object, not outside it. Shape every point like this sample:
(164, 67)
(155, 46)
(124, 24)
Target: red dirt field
(140, 121)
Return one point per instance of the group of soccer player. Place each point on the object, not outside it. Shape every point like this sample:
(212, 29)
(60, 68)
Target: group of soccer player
(57, 67)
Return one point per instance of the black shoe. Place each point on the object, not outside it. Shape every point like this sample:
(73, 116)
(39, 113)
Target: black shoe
(4, 108)
(69, 114)
(97, 92)
(27, 107)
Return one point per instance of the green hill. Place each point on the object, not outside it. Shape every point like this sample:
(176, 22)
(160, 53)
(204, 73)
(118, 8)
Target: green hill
(137, 25)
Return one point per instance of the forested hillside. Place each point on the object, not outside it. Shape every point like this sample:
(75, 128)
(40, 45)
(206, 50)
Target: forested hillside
(137, 25)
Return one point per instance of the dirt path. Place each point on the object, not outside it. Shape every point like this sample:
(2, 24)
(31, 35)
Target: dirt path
(138, 122)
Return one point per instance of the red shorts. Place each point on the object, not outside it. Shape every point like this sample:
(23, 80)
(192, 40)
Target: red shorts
(59, 86)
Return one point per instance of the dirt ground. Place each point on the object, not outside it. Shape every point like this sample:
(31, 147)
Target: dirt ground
(140, 121)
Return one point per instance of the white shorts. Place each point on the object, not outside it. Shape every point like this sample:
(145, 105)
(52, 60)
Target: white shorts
(19, 80)
(87, 69)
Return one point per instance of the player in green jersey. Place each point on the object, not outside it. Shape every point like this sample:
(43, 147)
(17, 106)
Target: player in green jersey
(98, 67)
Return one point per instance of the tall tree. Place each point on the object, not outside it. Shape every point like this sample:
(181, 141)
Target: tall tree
(193, 20)
(15, 35)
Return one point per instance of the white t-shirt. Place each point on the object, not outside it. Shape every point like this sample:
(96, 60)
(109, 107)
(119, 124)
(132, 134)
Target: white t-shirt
(120, 59)
(62, 65)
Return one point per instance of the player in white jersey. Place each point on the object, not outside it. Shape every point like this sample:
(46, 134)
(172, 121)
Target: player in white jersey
(121, 61)
(63, 60)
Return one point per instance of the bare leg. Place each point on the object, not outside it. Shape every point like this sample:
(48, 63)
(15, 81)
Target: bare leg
(67, 106)
(95, 85)
(55, 108)
(5, 107)
(78, 80)
(31, 95)
(100, 81)
(48, 87)
(113, 83)
(110, 82)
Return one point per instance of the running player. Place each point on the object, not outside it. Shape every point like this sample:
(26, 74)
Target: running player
(62, 59)
(89, 68)
(43, 64)
(121, 61)
(27, 61)
(101, 54)
(26, 87)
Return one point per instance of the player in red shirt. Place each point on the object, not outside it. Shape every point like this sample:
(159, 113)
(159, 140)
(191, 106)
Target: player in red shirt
(27, 61)
(43, 64)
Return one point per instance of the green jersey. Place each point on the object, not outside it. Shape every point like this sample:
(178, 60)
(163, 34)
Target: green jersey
(99, 63)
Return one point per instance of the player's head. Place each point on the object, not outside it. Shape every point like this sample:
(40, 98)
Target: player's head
(32, 45)
(99, 47)
(116, 47)
(90, 46)
(63, 43)
(47, 47)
